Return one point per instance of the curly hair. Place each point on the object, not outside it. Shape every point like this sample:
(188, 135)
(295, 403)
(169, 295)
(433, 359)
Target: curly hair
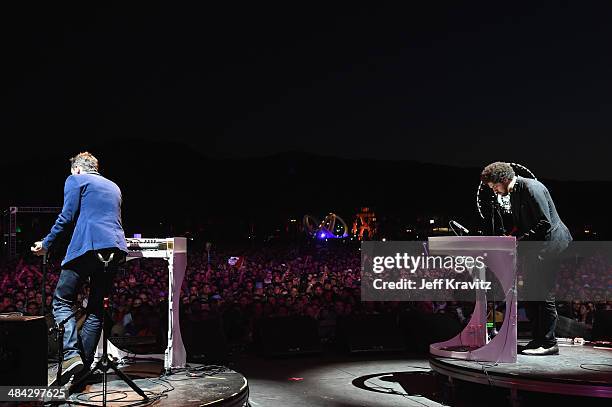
(86, 161)
(497, 172)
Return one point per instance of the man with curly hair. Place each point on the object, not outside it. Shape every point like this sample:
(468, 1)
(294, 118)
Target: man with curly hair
(535, 219)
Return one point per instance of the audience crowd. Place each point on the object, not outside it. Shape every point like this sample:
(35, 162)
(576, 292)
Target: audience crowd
(241, 287)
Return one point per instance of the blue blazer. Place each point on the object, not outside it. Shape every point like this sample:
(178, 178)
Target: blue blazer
(92, 204)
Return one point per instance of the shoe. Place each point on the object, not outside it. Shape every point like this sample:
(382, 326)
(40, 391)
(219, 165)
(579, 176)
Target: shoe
(69, 367)
(533, 344)
(77, 378)
(541, 351)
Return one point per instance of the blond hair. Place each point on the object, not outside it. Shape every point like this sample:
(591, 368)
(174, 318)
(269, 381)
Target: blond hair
(86, 161)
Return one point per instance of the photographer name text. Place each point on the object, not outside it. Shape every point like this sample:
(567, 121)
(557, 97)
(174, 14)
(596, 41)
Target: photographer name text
(436, 284)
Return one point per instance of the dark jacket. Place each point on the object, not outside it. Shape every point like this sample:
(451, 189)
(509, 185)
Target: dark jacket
(92, 204)
(534, 213)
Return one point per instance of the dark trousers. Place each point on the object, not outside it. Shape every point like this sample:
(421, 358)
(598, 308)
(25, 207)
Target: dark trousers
(540, 307)
(72, 276)
(543, 316)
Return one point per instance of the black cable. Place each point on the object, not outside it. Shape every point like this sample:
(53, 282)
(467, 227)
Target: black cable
(92, 394)
(488, 366)
(210, 370)
(196, 372)
(582, 366)
(187, 376)
(153, 396)
(77, 401)
(168, 389)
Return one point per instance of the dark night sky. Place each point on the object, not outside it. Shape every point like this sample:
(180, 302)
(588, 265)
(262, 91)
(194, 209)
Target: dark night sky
(461, 84)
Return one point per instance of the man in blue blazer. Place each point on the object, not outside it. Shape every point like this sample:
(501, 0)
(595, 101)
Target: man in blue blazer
(92, 205)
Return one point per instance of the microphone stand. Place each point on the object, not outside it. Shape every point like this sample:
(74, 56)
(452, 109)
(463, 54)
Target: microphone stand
(494, 209)
(105, 363)
(44, 284)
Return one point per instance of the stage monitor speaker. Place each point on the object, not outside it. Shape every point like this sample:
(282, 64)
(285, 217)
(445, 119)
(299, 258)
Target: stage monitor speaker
(420, 329)
(205, 341)
(283, 336)
(569, 328)
(602, 325)
(23, 351)
(371, 333)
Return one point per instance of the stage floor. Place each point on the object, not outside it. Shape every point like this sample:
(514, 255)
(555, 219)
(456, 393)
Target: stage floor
(577, 370)
(203, 385)
(300, 381)
(352, 380)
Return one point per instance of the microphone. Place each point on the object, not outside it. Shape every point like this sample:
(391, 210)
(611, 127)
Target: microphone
(460, 226)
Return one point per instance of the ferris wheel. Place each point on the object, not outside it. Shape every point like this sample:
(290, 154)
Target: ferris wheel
(331, 227)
